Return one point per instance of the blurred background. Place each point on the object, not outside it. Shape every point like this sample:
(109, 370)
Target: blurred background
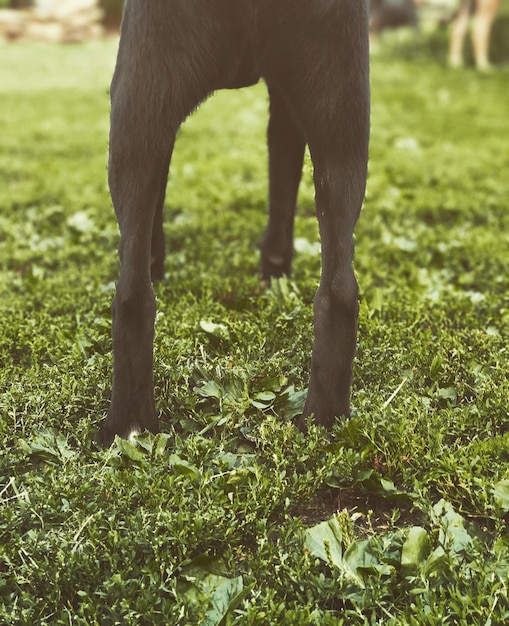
(58, 20)
(415, 26)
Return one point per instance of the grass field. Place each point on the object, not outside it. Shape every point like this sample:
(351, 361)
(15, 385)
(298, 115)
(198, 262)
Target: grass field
(231, 516)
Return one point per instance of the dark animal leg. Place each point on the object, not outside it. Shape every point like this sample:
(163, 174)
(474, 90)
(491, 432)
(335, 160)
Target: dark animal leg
(137, 175)
(340, 161)
(339, 193)
(330, 102)
(144, 121)
(286, 154)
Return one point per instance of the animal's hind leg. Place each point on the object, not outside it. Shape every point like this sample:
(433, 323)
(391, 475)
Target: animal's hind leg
(137, 176)
(339, 175)
(324, 78)
(286, 153)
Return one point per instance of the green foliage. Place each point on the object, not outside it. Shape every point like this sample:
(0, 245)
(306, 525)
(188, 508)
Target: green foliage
(433, 577)
(231, 516)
